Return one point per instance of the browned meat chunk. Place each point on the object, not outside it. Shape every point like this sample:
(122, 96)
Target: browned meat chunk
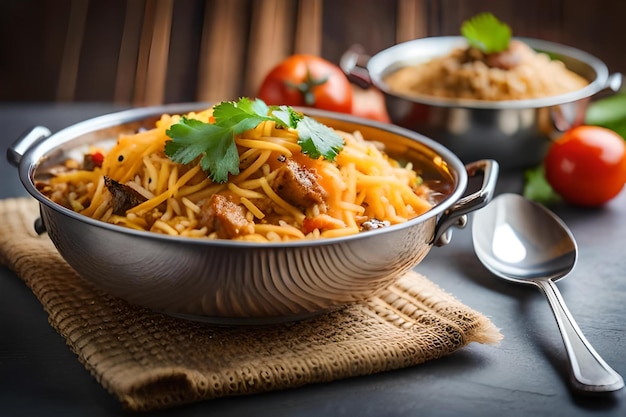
(227, 219)
(124, 197)
(298, 185)
(505, 60)
(90, 162)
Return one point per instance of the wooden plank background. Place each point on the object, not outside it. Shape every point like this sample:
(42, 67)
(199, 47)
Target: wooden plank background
(145, 52)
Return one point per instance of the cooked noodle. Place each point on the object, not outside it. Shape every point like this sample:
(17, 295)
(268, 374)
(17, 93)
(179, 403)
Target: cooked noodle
(362, 184)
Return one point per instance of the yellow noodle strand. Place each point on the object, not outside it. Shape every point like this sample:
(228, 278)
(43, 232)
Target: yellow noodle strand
(97, 198)
(297, 214)
(283, 229)
(164, 227)
(153, 176)
(162, 177)
(191, 189)
(256, 212)
(261, 144)
(253, 167)
(242, 192)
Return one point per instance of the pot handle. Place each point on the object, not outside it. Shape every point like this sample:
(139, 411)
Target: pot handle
(568, 115)
(456, 215)
(614, 82)
(353, 63)
(24, 142)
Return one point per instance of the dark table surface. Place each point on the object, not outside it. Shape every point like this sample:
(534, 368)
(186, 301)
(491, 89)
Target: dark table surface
(526, 374)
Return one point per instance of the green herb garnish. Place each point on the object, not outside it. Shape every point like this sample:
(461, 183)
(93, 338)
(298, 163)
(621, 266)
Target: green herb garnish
(486, 33)
(609, 112)
(215, 145)
(537, 188)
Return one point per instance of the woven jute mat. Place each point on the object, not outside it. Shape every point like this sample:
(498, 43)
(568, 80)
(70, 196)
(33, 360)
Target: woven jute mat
(151, 361)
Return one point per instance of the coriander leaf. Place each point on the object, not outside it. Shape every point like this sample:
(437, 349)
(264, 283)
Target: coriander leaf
(537, 188)
(256, 106)
(287, 116)
(241, 115)
(485, 32)
(317, 139)
(214, 144)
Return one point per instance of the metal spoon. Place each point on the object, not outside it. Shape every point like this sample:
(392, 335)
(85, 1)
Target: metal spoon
(522, 241)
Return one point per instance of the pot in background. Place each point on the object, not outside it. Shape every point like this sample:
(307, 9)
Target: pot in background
(516, 133)
(233, 282)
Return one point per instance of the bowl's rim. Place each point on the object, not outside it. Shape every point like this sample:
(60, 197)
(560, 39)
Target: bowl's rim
(31, 158)
(379, 64)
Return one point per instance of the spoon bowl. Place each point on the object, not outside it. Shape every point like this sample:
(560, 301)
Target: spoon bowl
(524, 242)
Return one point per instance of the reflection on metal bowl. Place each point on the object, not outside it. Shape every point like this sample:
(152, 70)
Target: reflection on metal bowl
(225, 281)
(516, 133)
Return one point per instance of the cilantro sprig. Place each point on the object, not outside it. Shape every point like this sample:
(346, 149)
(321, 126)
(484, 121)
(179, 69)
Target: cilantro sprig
(214, 143)
(486, 33)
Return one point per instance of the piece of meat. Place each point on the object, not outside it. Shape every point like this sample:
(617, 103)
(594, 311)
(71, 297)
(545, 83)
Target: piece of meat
(505, 60)
(373, 224)
(92, 160)
(124, 197)
(298, 185)
(508, 59)
(226, 218)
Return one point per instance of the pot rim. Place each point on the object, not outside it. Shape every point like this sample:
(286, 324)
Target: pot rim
(407, 53)
(31, 158)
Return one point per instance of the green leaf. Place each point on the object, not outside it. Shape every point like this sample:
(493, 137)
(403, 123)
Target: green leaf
(485, 32)
(215, 145)
(609, 112)
(287, 116)
(241, 115)
(537, 188)
(318, 140)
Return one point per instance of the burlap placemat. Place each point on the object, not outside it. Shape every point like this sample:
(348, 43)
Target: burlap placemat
(151, 361)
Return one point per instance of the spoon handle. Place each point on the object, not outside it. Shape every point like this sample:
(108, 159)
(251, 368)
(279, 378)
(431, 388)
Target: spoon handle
(589, 372)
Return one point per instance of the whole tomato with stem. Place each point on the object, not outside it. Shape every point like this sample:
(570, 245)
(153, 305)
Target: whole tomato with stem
(307, 81)
(587, 165)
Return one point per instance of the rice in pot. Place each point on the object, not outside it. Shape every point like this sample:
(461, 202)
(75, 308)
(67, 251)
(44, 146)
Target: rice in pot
(466, 73)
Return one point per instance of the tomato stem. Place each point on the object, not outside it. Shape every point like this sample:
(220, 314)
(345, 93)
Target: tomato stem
(307, 86)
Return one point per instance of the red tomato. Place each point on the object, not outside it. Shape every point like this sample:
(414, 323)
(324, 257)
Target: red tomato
(370, 104)
(97, 158)
(587, 165)
(308, 81)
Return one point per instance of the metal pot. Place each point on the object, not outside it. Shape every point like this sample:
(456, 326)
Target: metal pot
(230, 282)
(516, 133)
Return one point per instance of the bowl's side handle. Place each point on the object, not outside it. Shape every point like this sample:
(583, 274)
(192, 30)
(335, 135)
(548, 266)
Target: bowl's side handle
(353, 63)
(569, 115)
(456, 215)
(24, 142)
(614, 82)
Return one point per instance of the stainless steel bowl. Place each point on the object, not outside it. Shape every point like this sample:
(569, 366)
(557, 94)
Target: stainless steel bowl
(231, 282)
(516, 133)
